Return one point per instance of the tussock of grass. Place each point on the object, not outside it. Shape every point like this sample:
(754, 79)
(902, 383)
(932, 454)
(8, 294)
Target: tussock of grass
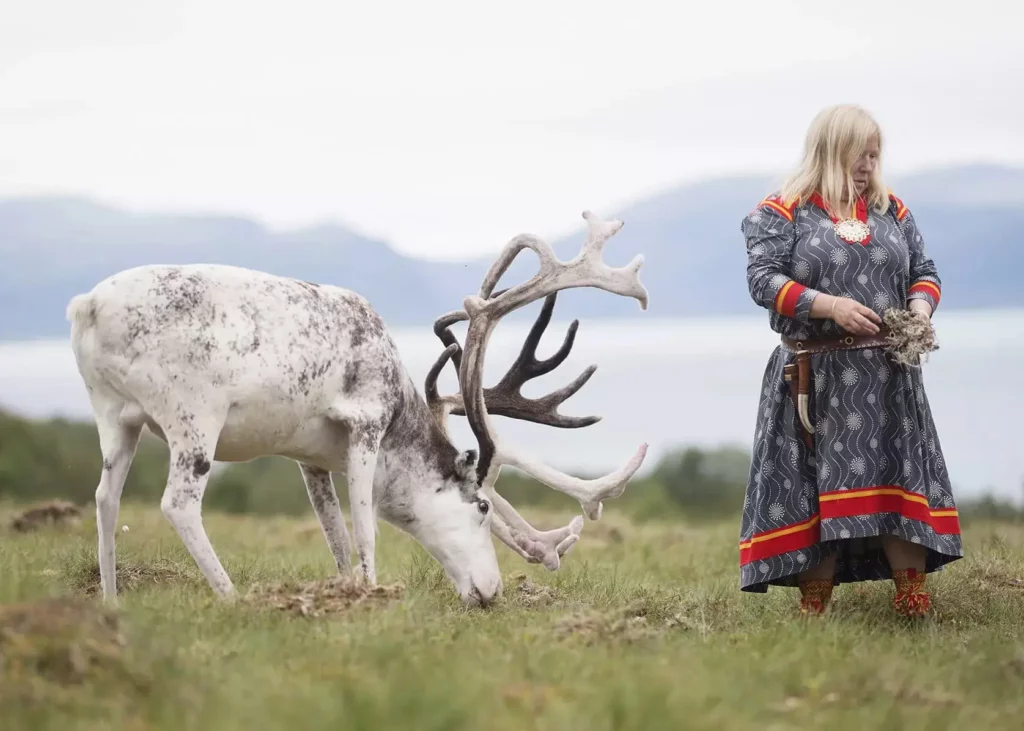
(84, 575)
(61, 656)
(54, 513)
(60, 639)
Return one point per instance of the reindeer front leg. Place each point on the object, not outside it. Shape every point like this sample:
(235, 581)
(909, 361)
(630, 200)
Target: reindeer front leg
(365, 433)
(362, 462)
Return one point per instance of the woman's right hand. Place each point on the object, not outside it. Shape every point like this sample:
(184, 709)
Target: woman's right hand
(854, 317)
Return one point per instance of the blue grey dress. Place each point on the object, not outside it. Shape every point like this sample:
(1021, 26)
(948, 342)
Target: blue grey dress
(876, 467)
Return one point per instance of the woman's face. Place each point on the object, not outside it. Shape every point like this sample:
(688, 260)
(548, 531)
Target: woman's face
(864, 167)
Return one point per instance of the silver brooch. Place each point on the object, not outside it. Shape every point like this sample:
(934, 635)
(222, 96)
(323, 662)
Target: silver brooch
(852, 230)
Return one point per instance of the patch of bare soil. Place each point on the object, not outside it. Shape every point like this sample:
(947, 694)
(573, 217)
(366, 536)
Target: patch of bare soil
(57, 513)
(330, 596)
(911, 336)
(132, 576)
(628, 625)
(61, 641)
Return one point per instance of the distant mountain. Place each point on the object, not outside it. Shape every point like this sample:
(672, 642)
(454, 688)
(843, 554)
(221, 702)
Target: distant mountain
(53, 248)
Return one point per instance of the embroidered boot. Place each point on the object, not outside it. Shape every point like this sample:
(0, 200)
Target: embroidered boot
(815, 595)
(911, 599)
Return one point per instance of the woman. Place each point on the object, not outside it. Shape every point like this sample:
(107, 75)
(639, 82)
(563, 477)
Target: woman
(849, 485)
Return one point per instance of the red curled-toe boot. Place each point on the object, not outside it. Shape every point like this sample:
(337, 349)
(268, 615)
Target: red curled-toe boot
(911, 599)
(815, 595)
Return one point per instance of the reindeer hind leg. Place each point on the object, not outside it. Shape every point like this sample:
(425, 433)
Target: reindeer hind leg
(118, 442)
(193, 441)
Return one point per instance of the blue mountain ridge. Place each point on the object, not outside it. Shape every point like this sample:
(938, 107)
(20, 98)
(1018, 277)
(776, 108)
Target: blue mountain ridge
(52, 248)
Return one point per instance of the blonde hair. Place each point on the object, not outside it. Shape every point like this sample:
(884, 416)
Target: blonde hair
(835, 140)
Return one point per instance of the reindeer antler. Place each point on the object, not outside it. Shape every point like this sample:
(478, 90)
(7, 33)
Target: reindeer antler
(485, 310)
(477, 403)
(535, 546)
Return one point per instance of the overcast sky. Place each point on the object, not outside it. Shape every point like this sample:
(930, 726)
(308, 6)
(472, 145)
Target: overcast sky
(447, 126)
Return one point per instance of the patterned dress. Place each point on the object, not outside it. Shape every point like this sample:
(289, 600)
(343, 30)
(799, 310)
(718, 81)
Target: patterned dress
(876, 467)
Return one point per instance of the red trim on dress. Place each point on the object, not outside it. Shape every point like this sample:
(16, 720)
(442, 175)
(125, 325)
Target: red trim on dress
(787, 298)
(777, 205)
(928, 287)
(901, 210)
(848, 504)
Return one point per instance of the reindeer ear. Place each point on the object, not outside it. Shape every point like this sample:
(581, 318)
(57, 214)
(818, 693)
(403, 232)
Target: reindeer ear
(465, 463)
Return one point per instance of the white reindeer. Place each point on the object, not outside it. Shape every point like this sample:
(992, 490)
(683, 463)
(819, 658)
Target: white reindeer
(229, 364)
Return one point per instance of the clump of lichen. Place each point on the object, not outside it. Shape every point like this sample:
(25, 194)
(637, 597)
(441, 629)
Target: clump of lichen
(911, 336)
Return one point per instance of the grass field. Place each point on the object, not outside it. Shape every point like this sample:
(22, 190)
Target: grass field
(642, 628)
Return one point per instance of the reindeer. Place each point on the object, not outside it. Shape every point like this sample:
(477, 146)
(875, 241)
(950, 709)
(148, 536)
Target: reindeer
(229, 364)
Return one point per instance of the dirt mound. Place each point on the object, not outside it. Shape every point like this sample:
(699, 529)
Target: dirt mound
(53, 513)
(60, 641)
(317, 598)
(527, 592)
(627, 625)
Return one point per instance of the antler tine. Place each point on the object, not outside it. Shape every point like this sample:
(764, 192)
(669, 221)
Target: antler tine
(544, 252)
(484, 311)
(505, 398)
(442, 329)
(527, 361)
(585, 270)
(440, 406)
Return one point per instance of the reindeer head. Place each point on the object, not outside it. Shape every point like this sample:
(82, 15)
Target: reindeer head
(483, 311)
(453, 522)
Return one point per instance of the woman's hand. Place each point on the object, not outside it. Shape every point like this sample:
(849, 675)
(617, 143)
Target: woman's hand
(855, 317)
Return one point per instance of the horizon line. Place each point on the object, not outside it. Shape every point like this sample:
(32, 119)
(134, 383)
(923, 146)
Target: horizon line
(356, 230)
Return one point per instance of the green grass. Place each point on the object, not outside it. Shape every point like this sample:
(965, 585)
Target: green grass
(643, 627)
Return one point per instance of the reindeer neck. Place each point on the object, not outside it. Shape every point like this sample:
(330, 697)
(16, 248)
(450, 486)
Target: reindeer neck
(414, 444)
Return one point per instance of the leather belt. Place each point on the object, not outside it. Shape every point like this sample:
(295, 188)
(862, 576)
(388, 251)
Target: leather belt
(845, 342)
(798, 373)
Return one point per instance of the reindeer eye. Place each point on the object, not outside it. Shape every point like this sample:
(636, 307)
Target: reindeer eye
(482, 506)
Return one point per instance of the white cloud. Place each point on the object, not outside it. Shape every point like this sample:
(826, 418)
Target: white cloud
(447, 127)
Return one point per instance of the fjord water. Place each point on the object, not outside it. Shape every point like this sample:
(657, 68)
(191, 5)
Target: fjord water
(668, 383)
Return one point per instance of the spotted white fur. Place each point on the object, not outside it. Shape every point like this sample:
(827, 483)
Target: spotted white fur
(229, 364)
